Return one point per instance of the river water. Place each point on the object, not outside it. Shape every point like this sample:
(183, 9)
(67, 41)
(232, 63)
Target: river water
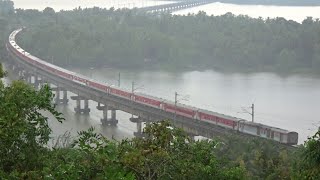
(295, 13)
(289, 102)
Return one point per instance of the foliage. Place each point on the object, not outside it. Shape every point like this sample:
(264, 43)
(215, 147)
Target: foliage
(167, 153)
(23, 129)
(6, 7)
(132, 39)
(308, 165)
(262, 159)
(2, 73)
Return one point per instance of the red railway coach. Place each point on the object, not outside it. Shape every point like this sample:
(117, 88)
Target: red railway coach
(121, 93)
(217, 120)
(64, 74)
(179, 110)
(148, 101)
(80, 79)
(26, 58)
(51, 69)
(97, 86)
(42, 66)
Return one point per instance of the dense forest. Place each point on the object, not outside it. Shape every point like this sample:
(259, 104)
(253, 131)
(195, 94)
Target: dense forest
(132, 39)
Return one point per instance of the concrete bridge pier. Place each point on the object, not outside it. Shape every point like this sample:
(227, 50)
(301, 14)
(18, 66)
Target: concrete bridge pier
(64, 100)
(19, 71)
(78, 109)
(27, 77)
(139, 122)
(38, 82)
(34, 80)
(105, 120)
(12, 67)
(15, 68)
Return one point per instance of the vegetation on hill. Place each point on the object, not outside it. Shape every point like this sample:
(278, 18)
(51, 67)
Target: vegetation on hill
(131, 39)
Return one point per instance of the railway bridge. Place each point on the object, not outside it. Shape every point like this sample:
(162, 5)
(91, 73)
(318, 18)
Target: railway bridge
(106, 103)
(176, 6)
(144, 108)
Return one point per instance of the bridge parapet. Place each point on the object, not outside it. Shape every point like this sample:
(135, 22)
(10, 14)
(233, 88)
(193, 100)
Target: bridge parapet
(176, 6)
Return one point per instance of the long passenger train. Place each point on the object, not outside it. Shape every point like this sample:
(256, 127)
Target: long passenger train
(240, 125)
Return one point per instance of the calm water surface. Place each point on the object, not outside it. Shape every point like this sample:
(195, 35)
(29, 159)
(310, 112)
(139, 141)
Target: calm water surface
(295, 13)
(288, 102)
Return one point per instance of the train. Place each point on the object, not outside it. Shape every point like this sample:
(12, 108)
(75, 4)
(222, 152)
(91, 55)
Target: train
(224, 121)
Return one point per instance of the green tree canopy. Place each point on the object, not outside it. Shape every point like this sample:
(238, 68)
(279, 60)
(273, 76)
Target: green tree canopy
(132, 39)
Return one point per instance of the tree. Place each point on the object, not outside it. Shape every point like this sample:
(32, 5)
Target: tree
(308, 165)
(23, 129)
(2, 73)
(6, 7)
(168, 153)
(132, 39)
(287, 60)
(49, 11)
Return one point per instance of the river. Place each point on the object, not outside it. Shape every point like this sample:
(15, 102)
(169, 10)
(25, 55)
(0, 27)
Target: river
(295, 13)
(289, 102)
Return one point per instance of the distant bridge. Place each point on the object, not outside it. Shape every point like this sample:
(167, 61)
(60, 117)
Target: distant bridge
(176, 6)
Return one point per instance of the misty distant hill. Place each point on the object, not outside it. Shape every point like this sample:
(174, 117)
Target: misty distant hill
(273, 2)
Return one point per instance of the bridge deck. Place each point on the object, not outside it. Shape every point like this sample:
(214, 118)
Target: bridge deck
(176, 6)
